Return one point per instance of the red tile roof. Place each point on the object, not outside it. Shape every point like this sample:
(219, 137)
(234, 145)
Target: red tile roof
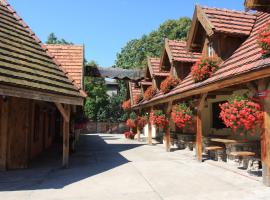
(178, 51)
(71, 57)
(246, 59)
(229, 21)
(134, 90)
(144, 82)
(153, 65)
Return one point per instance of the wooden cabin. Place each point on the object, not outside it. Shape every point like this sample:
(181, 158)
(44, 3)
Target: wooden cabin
(230, 36)
(37, 96)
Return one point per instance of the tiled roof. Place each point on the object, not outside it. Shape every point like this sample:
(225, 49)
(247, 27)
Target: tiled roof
(246, 59)
(134, 90)
(153, 65)
(229, 21)
(71, 57)
(24, 61)
(178, 51)
(115, 73)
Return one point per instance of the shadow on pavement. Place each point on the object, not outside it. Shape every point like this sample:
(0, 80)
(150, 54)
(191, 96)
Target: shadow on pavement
(93, 157)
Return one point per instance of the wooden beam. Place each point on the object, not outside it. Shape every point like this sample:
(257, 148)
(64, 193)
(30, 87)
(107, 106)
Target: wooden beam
(265, 135)
(168, 128)
(66, 130)
(4, 133)
(199, 127)
(39, 95)
(63, 111)
(150, 129)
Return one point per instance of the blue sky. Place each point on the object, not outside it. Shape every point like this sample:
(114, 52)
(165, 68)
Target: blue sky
(104, 26)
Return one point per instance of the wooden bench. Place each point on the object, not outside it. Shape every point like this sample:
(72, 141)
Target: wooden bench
(213, 148)
(218, 152)
(244, 156)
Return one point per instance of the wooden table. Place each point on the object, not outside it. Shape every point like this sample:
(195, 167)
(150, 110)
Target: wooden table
(227, 141)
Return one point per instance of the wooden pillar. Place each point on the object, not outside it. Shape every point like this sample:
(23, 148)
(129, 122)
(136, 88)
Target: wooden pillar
(4, 133)
(65, 112)
(168, 128)
(199, 128)
(150, 130)
(265, 135)
(139, 133)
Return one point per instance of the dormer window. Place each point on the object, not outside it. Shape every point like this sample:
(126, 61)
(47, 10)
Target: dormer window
(210, 50)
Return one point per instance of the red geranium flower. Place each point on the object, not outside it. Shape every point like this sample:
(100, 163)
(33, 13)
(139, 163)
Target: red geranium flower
(242, 114)
(149, 93)
(203, 69)
(182, 115)
(138, 98)
(169, 83)
(264, 40)
(131, 123)
(158, 118)
(141, 121)
(126, 105)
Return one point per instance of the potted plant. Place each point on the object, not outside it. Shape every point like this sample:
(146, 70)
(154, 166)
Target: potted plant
(158, 118)
(242, 114)
(168, 84)
(204, 69)
(141, 121)
(131, 122)
(182, 115)
(264, 40)
(149, 93)
(129, 135)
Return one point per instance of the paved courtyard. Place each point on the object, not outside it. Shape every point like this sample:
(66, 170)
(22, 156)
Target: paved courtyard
(110, 167)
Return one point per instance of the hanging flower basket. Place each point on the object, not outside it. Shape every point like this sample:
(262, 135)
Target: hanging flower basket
(168, 84)
(158, 118)
(242, 115)
(182, 115)
(126, 105)
(138, 99)
(131, 123)
(203, 69)
(141, 121)
(264, 40)
(129, 135)
(149, 93)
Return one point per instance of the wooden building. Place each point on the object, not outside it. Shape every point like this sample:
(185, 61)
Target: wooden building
(230, 37)
(37, 96)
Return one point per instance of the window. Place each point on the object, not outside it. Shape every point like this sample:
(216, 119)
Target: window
(217, 122)
(210, 50)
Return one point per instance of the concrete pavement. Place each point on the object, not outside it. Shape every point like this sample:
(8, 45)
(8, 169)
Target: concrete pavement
(110, 167)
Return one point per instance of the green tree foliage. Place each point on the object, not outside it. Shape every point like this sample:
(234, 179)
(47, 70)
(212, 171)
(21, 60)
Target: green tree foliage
(135, 52)
(52, 39)
(97, 103)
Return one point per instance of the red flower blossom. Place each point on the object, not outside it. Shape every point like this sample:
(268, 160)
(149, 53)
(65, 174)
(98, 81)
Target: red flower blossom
(182, 115)
(131, 123)
(264, 40)
(149, 93)
(137, 99)
(141, 121)
(126, 105)
(169, 83)
(242, 114)
(203, 69)
(129, 135)
(158, 118)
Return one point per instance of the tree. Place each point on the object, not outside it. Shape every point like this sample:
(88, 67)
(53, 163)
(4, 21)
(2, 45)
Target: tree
(52, 39)
(97, 102)
(135, 52)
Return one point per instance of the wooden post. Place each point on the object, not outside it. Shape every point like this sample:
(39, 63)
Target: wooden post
(150, 130)
(265, 136)
(66, 130)
(199, 128)
(168, 128)
(4, 133)
(139, 133)
(65, 112)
